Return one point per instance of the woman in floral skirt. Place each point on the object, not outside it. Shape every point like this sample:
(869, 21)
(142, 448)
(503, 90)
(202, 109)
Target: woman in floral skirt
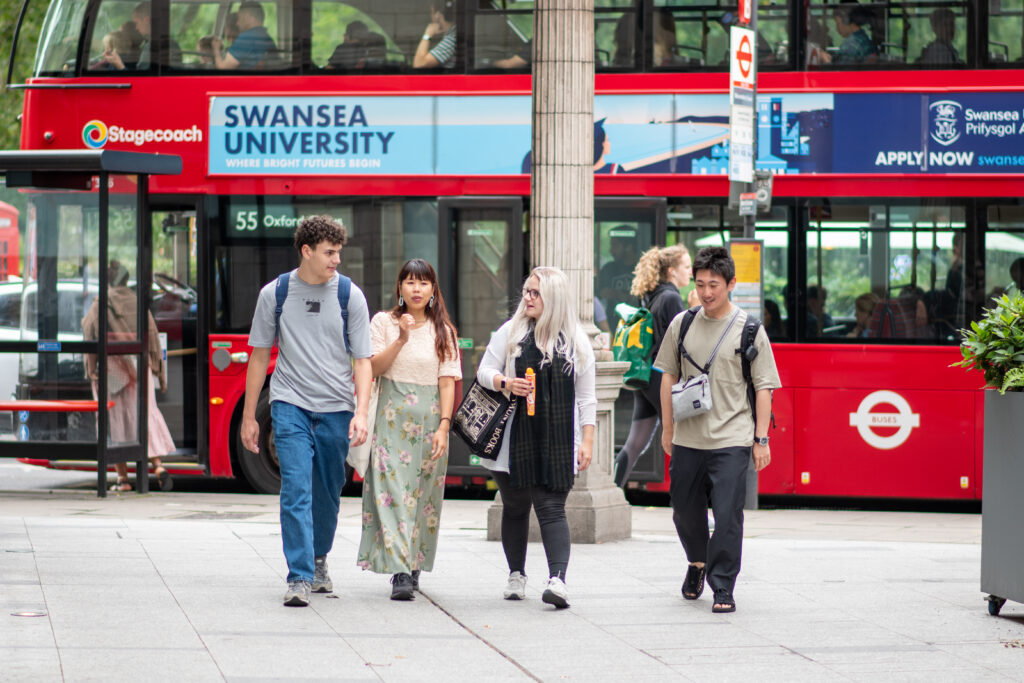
(416, 363)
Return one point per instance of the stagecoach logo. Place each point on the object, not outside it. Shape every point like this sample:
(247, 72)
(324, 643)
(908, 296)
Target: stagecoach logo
(945, 121)
(94, 134)
(865, 421)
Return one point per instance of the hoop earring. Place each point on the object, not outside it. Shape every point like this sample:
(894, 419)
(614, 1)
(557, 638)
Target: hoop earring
(431, 302)
(401, 300)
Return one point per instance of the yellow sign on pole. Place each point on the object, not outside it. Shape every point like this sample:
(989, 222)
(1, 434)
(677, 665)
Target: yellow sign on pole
(749, 291)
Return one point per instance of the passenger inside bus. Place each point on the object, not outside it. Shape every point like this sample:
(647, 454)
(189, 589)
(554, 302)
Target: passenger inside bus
(863, 307)
(623, 37)
(773, 320)
(253, 45)
(137, 34)
(941, 50)
(858, 47)
(442, 23)
(350, 52)
(665, 44)
(819, 323)
(902, 317)
(117, 49)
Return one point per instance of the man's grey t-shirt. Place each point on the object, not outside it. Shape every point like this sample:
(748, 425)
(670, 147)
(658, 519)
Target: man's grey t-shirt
(313, 369)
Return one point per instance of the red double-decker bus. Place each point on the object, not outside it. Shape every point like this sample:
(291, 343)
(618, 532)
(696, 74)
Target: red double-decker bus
(893, 132)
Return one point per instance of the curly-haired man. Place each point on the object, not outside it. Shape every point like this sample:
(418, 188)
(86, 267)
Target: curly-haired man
(323, 359)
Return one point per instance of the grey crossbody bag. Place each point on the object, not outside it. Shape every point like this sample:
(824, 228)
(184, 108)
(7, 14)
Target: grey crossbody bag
(692, 397)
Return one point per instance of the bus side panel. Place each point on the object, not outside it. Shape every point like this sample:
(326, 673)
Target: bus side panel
(910, 443)
(885, 421)
(227, 392)
(777, 478)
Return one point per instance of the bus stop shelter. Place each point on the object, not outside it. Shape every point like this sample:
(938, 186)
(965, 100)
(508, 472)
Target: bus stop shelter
(86, 250)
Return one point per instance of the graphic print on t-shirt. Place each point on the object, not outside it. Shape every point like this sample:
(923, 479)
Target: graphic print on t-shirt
(313, 306)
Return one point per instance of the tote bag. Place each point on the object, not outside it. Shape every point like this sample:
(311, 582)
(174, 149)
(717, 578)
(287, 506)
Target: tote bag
(481, 420)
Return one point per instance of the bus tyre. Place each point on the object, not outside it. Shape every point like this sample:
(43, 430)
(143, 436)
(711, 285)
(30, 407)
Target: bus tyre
(261, 469)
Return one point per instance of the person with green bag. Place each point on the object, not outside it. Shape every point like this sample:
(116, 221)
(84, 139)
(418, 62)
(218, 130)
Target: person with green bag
(659, 275)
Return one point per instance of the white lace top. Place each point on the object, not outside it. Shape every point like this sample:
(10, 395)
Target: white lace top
(416, 362)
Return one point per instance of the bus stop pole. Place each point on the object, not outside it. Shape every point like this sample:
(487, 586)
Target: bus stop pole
(749, 226)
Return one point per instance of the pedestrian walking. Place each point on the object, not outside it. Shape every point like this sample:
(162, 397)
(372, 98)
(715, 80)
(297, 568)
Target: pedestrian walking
(551, 432)
(321, 323)
(711, 451)
(659, 275)
(122, 378)
(416, 363)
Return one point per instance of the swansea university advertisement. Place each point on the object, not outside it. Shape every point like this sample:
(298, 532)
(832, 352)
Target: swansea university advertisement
(664, 134)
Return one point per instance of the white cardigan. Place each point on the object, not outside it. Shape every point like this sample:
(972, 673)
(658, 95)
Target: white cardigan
(494, 363)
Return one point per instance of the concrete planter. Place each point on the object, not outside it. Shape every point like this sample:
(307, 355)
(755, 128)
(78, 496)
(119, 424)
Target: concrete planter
(1002, 531)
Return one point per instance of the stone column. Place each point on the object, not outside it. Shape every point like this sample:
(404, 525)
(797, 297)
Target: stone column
(562, 177)
(562, 235)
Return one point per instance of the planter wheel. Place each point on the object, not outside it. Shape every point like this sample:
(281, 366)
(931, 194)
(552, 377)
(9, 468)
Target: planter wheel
(995, 603)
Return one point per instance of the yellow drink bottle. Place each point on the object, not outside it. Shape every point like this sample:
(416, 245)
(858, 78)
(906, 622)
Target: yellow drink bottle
(531, 398)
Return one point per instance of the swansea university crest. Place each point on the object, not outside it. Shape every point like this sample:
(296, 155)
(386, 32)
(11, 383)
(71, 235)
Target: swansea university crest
(945, 118)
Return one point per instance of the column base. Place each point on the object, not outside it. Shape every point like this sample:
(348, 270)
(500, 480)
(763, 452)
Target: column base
(596, 515)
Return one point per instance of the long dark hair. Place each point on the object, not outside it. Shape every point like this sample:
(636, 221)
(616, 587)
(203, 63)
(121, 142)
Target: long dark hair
(445, 334)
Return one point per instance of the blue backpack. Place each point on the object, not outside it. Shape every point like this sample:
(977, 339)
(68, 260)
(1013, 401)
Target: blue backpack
(344, 288)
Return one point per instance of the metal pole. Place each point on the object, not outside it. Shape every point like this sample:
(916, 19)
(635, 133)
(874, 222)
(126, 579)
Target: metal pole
(749, 226)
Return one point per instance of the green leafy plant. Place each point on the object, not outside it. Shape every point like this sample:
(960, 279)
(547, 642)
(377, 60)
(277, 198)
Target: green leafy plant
(995, 344)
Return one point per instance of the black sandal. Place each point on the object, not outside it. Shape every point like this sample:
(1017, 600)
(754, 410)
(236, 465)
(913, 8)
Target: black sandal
(724, 602)
(693, 584)
(163, 478)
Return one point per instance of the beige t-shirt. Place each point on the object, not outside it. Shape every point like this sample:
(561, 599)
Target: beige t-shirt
(417, 362)
(730, 421)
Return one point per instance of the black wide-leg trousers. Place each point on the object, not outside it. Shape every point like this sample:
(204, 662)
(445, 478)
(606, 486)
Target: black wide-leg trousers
(721, 476)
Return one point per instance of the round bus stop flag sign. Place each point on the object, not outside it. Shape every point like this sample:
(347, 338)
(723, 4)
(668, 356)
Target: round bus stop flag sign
(904, 420)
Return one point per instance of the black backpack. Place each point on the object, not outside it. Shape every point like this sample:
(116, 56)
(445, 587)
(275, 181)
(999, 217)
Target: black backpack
(747, 352)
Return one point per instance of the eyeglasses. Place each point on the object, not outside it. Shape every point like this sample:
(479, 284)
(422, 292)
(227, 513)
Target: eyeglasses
(531, 293)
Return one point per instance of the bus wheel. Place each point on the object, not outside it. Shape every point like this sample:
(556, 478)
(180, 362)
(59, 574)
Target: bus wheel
(261, 469)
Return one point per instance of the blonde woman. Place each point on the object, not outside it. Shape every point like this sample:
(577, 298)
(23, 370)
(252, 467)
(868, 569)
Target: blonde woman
(659, 275)
(541, 453)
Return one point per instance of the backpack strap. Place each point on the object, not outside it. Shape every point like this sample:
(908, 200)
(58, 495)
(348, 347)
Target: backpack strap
(684, 326)
(281, 294)
(747, 353)
(344, 289)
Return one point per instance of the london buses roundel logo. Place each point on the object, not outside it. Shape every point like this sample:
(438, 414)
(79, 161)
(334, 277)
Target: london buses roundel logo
(94, 134)
(904, 420)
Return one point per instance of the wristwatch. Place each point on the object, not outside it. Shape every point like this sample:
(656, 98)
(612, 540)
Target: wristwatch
(503, 379)
(761, 440)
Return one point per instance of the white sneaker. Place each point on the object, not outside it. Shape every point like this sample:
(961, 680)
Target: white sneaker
(297, 594)
(556, 593)
(516, 587)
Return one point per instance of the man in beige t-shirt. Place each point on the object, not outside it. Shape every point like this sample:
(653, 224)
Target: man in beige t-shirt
(711, 451)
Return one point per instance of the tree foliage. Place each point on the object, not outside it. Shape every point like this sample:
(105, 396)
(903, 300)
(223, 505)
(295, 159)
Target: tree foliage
(10, 100)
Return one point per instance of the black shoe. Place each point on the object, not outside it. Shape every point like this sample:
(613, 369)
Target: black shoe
(415, 579)
(401, 587)
(621, 464)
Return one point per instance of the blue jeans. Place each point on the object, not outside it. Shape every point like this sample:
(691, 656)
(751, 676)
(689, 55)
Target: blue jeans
(311, 450)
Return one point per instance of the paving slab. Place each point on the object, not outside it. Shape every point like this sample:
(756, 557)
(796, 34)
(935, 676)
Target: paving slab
(183, 586)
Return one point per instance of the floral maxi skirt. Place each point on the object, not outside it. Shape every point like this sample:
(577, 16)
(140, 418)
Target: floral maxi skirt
(403, 489)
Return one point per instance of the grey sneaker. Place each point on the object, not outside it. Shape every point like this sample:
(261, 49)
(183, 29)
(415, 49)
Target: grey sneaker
(556, 593)
(516, 587)
(321, 579)
(297, 594)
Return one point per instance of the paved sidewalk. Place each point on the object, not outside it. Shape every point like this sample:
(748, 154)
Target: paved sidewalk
(188, 587)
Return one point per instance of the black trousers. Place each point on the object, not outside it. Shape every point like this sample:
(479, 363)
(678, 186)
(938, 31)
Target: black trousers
(721, 476)
(515, 524)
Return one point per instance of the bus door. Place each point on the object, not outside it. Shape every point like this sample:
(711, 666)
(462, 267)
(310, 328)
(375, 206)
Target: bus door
(624, 229)
(481, 269)
(174, 305)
